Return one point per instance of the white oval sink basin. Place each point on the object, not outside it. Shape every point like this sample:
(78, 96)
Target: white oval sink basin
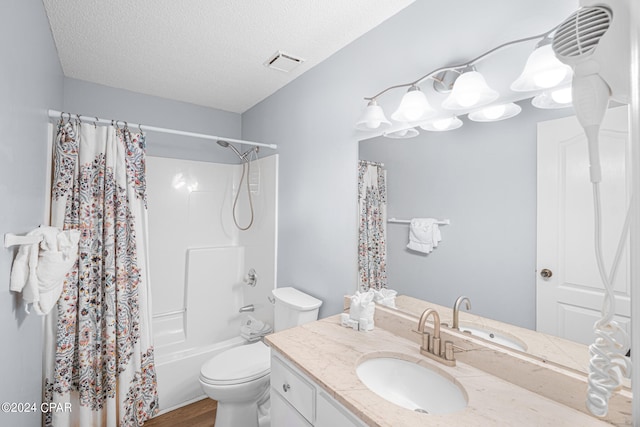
(411, 386)
(495, 337)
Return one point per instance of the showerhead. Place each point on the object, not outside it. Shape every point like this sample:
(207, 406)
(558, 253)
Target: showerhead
(225, 144)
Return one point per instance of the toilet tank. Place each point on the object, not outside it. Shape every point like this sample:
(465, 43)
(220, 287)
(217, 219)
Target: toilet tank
(293, 308)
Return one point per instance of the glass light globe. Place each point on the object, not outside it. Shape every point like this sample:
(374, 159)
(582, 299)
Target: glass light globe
(413, 107)
(442, 124)
(372, 118)
(542, 71)
(562, 96)
(469, 90)
(494, 111)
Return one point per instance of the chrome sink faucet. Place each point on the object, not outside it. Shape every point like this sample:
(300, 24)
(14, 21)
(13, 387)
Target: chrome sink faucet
(431, 345)
(456, 310)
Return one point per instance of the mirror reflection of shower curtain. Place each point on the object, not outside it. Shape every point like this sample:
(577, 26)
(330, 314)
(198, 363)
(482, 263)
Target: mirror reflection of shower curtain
(98, 345)
(372, 235)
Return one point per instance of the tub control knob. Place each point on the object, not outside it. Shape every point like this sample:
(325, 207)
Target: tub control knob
(286, 387)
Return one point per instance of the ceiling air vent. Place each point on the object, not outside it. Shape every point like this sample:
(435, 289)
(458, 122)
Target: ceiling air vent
(283, 62)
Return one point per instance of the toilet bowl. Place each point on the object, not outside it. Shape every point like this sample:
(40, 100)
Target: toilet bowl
(238, 378)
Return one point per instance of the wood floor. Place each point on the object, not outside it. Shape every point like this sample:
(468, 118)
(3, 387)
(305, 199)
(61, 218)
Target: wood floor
(198, 414)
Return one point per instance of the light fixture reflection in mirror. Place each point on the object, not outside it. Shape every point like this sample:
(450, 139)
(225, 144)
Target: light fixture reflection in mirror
(442, 124)
(556, 98)
(402, 134)
(495, 113)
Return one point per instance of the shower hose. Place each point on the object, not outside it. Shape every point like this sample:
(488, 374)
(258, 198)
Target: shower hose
(246, 169)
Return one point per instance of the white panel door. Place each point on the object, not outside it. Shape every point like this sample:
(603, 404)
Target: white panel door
(570, 300)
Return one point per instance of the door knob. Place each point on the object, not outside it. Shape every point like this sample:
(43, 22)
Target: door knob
(546, 273)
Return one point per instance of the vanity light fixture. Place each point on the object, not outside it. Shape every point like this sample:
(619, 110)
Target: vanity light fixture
(414, 107)
(554, 98)
(494, 113)
(403, 133)
(542, 71)
(373, 118)
(442, 124)
(469, 91)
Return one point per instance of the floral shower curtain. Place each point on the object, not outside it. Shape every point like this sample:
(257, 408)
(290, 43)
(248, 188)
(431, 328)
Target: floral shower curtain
(372, 241)
(99, 348)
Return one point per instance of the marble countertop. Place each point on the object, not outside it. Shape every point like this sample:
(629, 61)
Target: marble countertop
(329, 353)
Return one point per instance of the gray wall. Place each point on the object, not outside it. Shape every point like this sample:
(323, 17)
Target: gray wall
(92, 99)
(312, 121)
(30, 83)
(483, 178)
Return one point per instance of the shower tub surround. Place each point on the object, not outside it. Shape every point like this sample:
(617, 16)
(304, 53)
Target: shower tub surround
(198, 261)
(329, 353)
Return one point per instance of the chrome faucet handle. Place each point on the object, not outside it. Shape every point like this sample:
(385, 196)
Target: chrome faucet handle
(251, 278)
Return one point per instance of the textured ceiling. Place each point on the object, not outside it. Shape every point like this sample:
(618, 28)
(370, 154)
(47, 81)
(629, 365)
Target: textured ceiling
(206, 52)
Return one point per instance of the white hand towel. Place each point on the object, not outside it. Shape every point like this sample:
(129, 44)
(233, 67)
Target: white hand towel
(367, 306)
(354, 306)
(39, 269)
(386, 297)
(253, 329)
(424, 234)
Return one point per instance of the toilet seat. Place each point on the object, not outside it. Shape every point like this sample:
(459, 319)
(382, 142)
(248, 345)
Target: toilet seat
(237, 365)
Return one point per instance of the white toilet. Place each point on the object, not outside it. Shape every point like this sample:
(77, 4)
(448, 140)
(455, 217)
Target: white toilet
(239, 378)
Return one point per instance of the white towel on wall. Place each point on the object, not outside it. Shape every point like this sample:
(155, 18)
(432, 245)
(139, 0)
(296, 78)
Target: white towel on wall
(424, 234)
(39, 269)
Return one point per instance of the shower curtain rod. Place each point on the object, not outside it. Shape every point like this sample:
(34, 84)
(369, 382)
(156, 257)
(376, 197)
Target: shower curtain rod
(54, 114)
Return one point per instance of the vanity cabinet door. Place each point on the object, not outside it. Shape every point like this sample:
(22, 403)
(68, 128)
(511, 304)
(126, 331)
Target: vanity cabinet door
(283, 414)
(330, 413)
(293, 387)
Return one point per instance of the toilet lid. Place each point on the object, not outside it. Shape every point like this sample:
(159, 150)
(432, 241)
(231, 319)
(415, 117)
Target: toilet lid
(238, 365)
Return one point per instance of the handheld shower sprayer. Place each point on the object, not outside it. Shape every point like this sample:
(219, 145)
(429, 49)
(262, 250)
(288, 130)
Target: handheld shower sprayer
(595, 46)
(225, 144)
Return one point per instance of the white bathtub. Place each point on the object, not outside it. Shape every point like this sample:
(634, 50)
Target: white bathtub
(178, 373)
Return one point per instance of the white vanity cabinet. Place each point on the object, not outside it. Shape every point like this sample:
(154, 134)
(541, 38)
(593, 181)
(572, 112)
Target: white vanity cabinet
(296, 401)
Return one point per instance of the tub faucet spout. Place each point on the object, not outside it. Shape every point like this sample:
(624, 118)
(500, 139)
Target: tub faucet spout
(456, 310)
(247, 308)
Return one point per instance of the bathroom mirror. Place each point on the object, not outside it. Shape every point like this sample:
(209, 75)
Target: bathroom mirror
(481, 177)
